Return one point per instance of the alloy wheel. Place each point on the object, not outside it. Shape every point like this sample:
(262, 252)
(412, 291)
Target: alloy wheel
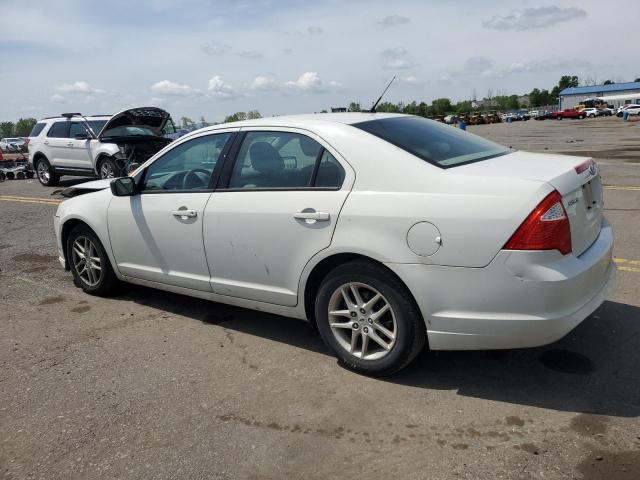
(43, 172)
(86, 261)
(362, 321)
(106, 171)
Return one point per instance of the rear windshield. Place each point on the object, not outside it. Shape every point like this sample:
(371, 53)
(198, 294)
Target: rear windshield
(442, 145)
(37, 128)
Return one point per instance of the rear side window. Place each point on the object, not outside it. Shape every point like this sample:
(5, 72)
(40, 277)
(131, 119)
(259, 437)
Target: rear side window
(59, 130)
(439, 144)
(37, 128)
(284, 160)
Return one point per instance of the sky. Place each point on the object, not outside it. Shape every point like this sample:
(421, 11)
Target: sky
(208, 59)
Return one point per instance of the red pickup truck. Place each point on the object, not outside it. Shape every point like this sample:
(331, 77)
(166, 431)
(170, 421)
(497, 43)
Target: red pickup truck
(569, 113)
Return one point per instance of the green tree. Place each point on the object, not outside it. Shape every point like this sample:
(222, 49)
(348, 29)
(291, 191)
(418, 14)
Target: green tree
(637, 79)
(608, 82)
(252, 114)
(236, 117)
(354, 107)
(441, 106)
(187, 122)
(6, 129)
(568, 81)
(203, 122)
(464, 107)
(24, 126)
(388, 107)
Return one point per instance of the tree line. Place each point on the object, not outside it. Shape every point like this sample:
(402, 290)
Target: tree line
(21, 128)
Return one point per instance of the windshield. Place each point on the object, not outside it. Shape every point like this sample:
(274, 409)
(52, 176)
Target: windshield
(434, 142)
(130, 131)
(96, 125)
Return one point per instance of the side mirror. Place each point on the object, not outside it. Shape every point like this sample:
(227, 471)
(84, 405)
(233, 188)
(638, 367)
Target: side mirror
(83, 136)
(123, 187)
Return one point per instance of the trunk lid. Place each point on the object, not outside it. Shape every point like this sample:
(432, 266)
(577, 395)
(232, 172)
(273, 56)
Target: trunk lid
(576, 179)
(153, 117)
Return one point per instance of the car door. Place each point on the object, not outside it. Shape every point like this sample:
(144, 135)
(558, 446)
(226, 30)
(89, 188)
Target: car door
(57, 144)
(156, 235)
(79, 154)
(276, 206)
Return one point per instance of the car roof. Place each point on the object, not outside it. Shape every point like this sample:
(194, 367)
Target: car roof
(88, 117)
(307, 120)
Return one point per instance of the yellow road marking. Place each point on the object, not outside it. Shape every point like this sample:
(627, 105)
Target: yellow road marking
(30, 198)
(44, 201)
(621, 187)
(626, 265)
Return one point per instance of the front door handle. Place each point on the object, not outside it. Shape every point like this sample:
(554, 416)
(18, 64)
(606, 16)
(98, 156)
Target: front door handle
(70, 144)
(184, 213)
(46, 142)
(312, 215)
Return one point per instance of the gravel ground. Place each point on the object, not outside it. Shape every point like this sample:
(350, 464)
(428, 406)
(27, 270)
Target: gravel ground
(157, 385)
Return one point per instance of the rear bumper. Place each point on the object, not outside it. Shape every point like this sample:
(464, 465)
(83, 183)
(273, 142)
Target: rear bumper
(521, 299)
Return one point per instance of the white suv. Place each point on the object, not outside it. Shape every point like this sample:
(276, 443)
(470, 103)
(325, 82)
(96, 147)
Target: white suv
(104, 146)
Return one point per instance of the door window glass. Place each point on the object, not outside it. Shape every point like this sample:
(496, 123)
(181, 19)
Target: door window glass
(330, 173)
(77, 128)
(188, 166)
(59, 130)
(275, 160)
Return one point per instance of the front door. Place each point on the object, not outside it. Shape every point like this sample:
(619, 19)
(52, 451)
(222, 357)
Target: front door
(279, 208)
(79, 154)
(156, 235)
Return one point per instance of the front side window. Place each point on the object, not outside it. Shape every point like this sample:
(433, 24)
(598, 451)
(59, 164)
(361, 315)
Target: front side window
(434, 142)
(59, 130)
(188, 166)
(284, 160)
(77, 128)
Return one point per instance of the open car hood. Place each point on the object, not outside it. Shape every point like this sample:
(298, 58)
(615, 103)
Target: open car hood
(82, 188)
(147, 116)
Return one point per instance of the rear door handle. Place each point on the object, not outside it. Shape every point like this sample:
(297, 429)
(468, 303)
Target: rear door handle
(46, 142)
(318, 216)
(184, 213)
(70, 144)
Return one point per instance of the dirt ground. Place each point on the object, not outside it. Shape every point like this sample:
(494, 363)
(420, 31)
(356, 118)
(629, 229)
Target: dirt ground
(155, 385)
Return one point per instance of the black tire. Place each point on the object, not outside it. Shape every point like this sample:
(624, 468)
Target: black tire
(107, 283)
(109, 165)
(411, 332)
(46, 175)
(558, 117)
(581, 117)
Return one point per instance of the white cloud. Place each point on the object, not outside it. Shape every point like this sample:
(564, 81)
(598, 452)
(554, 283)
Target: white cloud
(215, 48)
(399, 64)
(250, 54)
(393, 20)
(314, 30)
(264, 83)
(79, 86)
(219, 89)
(411, 80)
(530, 18)
(57, 98)
(395, 52)
(167, 87)
(310, 82)
(157, 101)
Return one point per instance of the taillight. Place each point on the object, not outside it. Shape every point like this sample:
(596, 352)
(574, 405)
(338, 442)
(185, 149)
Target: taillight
(546, 228)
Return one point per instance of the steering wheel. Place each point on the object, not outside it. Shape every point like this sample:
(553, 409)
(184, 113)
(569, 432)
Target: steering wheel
(192, 179)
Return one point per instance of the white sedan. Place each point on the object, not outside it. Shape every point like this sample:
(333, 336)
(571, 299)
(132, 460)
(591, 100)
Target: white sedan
(387, 231)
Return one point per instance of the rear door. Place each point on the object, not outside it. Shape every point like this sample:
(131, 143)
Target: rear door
(278, 206)
(156, 235)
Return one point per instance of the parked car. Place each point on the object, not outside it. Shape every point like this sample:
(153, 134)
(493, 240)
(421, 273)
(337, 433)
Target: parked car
(591, 112)
(569, 113)
(545, 116)
(382, 229)
(97, 146)
(631, 109)
(12, 145)
(606, 112)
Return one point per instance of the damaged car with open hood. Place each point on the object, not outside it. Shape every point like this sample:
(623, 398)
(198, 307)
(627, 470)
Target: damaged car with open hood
(103, 146)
